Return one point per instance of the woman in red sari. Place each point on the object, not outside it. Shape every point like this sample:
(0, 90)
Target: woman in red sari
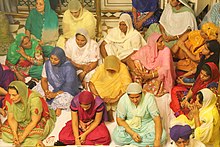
(87, 126)
(181, 96)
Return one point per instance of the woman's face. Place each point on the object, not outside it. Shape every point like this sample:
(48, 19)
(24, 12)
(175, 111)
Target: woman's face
(135, 98)
(81, 40)
(174, 3)
(14, 96)
(76, 14)
(203, 76)
(197, 103)
(123, 27)
(40, 6)
(85, 106)
(160, 44)
(26, 43)
(54, 60)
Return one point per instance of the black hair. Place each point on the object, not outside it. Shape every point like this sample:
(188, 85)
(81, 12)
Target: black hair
(13, 87)
(213, 46)
(200, 96)
(207, 69)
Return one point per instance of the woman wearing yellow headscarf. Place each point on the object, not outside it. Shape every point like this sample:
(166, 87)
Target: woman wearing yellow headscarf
(190, 45)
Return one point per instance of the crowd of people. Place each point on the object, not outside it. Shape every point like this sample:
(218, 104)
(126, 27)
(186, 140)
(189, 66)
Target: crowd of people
(149, 54)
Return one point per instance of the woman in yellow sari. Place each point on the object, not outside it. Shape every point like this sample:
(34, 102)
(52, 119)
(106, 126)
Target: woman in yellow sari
(205, 118)
(110, 82)
(190, 45)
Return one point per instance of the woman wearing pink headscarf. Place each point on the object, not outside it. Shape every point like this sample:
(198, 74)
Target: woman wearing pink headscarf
(152, 65)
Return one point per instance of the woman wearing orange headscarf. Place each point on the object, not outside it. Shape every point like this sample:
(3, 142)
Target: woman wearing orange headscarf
(190, 45)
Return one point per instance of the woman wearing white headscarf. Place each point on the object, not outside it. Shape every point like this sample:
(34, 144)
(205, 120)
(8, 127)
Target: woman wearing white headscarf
(74, 18)
(83, 53)
(123, 40)
(176, 19)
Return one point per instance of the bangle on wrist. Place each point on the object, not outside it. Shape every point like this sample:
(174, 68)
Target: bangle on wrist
(153, 74)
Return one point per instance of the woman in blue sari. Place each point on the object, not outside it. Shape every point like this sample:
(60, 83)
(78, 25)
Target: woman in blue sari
(59, 83)
(42, 24)
(145, 12)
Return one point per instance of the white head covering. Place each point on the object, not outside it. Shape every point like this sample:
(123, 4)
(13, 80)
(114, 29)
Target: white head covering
(74, 5)
(209, 99)
(185, 3)
(134, 88)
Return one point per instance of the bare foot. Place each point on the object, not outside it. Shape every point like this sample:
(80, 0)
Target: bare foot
(58, 112)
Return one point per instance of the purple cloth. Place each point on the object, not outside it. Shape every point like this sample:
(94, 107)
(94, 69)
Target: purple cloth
(6, 77)
(145, 5)
(62, 76)
(179, 131)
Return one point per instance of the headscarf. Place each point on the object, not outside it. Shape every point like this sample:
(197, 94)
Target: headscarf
(185, 3)
(153, 59)
(88, 98)
(134, 88)
(74, 5)
(179, 131)
(62, 76)
(145, 5)
(199, 84)
(13, 56)
(112, 63)
(6, 37)
(82, 55)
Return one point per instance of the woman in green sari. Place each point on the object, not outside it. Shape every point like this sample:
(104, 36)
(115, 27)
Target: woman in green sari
(42, 24)
(25, 57)
(29, 119)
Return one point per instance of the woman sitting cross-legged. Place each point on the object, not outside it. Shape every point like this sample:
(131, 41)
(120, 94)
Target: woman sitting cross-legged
(138, 119)
(83, 53)
(25, 58)
(152, 66)
(59, 83)
(204, 118)
(110, 82)
(29, 119)
(181, 96)
(87, 126)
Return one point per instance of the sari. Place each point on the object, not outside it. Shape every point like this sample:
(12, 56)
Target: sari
(71, 24)
(6, 37)
(178, 92)
(156, 60)
(18, 63)
(195, 45)
(83, 55)
(110, 85)
(140, 120)
(100, 135)
(145, 6)
(44, 27)
(32, 104)
(62, 77)
(208, 131)
(171, 20)
(122, 45)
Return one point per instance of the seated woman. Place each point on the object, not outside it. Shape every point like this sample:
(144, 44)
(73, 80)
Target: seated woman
(59, 82)
(138, 119)
(204, 118)
(29, 119)
(6, 37)
(145, 12)
(83, 53)
(213, 15)
(171, 24)
(74, 18)
(189, 47)
(42, 24)
(123, 40)
(25, 58)
(181, 96)
(87, 126)
(110, 82)
(181, 136)
(152, 65)
(210, 53)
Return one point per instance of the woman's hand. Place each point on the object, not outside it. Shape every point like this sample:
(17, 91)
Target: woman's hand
(77, 141)
(15, 139)
(195, 111)
(136, 137)
(138, 25)
(82, 126)
(82, 138)
(51, 95)
(21, 139)
(21, 51)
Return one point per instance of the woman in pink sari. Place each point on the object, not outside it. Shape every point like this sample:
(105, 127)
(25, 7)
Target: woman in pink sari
(152, 65)
(87, 126)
